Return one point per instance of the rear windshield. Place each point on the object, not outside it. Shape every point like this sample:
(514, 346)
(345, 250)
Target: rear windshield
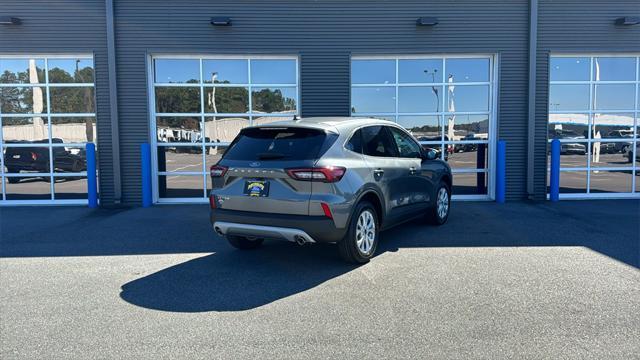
(277, 144)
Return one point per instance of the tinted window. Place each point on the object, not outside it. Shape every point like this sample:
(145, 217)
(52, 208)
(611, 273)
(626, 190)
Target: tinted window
(377, 142)
(355, 143)
(276, 144)
(407, 147)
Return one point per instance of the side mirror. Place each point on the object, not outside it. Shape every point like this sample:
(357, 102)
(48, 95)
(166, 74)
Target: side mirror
(430, 155)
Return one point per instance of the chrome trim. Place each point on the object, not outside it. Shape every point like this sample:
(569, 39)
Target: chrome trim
(271, 232)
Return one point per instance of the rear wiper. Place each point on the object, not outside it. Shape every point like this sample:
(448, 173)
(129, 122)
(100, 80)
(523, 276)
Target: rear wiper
(271, 156)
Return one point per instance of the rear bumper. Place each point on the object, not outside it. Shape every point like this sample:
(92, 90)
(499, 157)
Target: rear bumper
(276, 226)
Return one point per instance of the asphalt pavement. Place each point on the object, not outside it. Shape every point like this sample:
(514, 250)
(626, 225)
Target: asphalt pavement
(520, 280)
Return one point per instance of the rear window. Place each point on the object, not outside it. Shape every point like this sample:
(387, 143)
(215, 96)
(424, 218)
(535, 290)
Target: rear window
(277, 144)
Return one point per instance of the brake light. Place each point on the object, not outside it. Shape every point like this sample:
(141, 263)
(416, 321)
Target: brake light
(326, 174)
(218, 171)
(34, 156)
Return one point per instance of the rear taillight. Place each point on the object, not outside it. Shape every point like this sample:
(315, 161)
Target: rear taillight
(34, 156)
(212, 201)
(327, 174)
(218, 171)
(326, 210)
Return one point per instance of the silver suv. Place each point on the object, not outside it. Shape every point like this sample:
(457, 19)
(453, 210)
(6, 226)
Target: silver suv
(336, 180)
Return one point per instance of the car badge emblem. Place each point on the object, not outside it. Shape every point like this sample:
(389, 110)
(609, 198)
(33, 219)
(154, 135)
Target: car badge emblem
(254, 164)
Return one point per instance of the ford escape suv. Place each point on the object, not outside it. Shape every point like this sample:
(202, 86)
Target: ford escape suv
(336, 180)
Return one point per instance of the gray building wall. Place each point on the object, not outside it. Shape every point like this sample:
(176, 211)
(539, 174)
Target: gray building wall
(325, 34)
(67, 26)
(582, 26)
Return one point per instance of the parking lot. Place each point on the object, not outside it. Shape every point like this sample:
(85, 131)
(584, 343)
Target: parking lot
(534, 280)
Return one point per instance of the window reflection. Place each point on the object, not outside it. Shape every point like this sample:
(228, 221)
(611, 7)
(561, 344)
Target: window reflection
(420, 71)
(573, 182)
(467, 98)
(72, 99)
(226, 99)
(372, 100)
(178, 129)
(613, 126)
(614, 68)
(424, 128)
(71, 71)
(471, 156)
(568, 97)
(22, 71)
(570, 69)
(467, 70)
(274, 100)
(416, 99)
(469, 184)
(182, 186)
(31, 159)
(25, 129)
(568, 126)
(273, 71)
(614, 97)
(177, 70)
(180, 158)
(262, 120)
(573, 155)
(74, 129)
(177, 99)
(225, 71)
(468, 127)
(68, 187)
(23, 100)
(610, 181)
(223, 128)
(25, 188)
(373, 71)
(69, 159)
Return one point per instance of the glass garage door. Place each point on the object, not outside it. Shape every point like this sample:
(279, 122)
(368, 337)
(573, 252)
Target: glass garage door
(445, 102)
(47, 115)
(199, 105)
(593, 110)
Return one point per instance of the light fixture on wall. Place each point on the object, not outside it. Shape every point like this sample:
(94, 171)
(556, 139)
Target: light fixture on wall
(427, 21)
(628, 20)
(8, 20)
(221, 21)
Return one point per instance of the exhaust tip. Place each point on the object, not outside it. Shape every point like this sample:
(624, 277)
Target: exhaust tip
(300, 240)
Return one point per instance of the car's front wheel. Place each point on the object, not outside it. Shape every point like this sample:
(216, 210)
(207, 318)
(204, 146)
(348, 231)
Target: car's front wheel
(243, 243)
(361, 240)
(439, 213)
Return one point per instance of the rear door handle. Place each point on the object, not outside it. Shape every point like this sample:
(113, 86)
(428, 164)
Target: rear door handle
(412, 170)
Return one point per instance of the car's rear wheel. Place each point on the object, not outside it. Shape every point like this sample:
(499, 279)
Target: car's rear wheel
(243, 243)
(360, 243)
(439, 213)
(13, 180)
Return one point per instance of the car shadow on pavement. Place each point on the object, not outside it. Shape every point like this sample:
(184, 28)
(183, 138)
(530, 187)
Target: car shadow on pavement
(234, 280)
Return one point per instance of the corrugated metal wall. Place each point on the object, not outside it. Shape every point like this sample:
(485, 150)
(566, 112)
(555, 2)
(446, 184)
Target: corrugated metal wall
(325, 34)
(60, 27)
(580, 26)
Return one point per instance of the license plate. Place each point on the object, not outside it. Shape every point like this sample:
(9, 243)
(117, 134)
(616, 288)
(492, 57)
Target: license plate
(256, 188)
(16, 156)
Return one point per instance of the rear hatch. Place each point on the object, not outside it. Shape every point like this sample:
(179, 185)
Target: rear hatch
(254, 173)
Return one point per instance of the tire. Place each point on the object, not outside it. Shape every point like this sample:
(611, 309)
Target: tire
(13, 180)
(364, 225)
(242, 243)
(439, 213)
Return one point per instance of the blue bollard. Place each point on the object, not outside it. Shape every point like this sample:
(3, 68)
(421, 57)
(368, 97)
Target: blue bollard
(92, 182)
(501, 171)
(145, 152)
(554, 173)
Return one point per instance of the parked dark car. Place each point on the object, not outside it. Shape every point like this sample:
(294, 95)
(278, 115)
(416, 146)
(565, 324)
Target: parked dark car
(622, 147)
(36, 158)
(629, 154)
